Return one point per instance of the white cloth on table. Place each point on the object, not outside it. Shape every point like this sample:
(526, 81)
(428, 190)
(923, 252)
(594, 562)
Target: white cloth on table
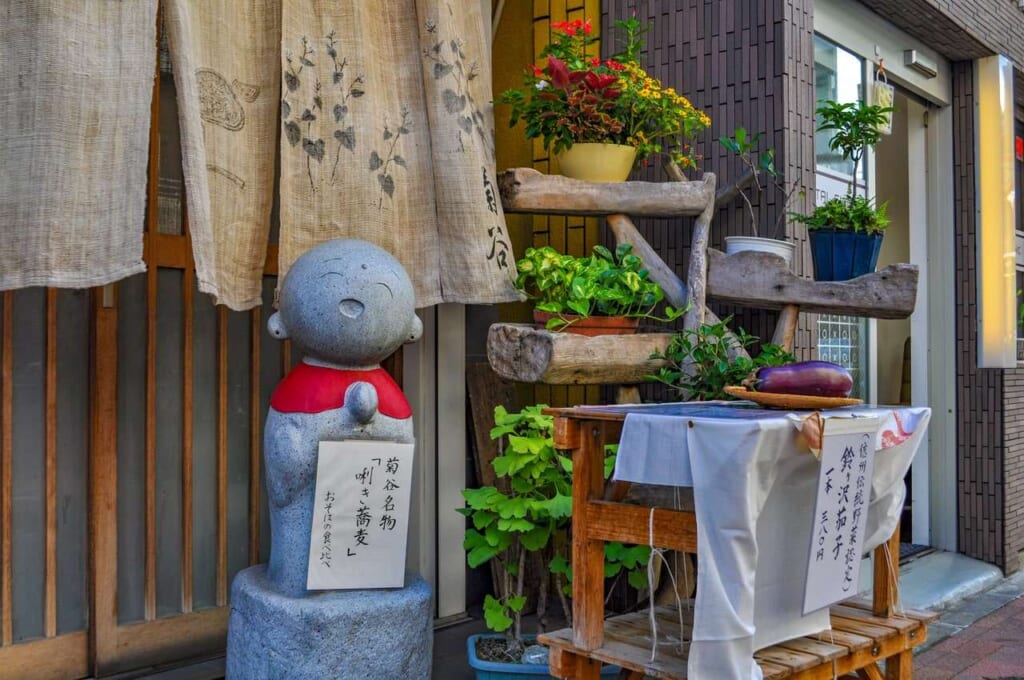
(754, 486)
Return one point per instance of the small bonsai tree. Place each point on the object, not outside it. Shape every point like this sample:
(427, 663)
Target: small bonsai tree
(854, 128)
(760, 168)
(532, 518)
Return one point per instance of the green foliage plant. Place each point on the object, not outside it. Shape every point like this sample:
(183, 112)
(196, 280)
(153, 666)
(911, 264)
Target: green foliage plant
(852, 213)
(575, 96)
(699, 365)
(854, 127)
(764, 177)
(602, 284)
(531, 514)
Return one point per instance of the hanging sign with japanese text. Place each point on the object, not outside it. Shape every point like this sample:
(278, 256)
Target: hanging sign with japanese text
(840, 511)
(360, 515)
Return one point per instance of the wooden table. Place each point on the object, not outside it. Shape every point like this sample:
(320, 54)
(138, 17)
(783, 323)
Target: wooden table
(864, 631)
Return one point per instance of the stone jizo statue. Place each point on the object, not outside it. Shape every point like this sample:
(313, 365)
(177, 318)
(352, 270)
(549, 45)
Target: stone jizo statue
(345, 305)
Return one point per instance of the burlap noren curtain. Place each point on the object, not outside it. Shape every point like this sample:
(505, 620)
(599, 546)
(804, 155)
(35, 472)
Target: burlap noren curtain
(226, 59)
(387, 135)
(75, 102)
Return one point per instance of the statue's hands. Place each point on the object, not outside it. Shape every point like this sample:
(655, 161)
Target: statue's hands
(361, 401)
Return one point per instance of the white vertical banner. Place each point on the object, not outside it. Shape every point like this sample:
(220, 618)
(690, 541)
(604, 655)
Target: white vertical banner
(840, 511)
(360, 515)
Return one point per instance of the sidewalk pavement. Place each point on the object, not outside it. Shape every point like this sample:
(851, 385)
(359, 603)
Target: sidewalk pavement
(982, 638)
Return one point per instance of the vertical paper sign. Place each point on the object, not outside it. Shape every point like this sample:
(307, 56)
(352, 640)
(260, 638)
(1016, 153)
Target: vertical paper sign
(841, 510)
(360, 515)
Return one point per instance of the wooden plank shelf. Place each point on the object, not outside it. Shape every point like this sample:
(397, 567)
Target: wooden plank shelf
(524, 190)
(762, 280)
(858, 640)
(527, 354)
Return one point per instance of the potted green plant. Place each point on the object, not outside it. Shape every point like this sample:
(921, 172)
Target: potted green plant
(530, 518)
(700, 365)
(603, 293)
(582, 106)
(763, 177)
(846, 232)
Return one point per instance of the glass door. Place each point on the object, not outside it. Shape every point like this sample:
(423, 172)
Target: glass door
(839, 76)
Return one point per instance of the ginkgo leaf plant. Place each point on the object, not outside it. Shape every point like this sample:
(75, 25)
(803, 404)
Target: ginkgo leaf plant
(532, 516)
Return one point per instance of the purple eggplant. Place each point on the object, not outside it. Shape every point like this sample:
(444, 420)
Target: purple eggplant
(815, 378)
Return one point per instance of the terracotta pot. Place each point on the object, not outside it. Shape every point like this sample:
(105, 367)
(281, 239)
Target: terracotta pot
(597, 162)
(591, 325)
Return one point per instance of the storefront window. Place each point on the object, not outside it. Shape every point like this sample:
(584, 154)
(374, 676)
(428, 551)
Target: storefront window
(839, 76)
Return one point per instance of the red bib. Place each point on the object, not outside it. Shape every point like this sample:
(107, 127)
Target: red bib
(315, 389)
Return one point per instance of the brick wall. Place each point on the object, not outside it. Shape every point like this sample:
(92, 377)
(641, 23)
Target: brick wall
(980, 477)
(959, 29)
(1013, 468)
(745, 64)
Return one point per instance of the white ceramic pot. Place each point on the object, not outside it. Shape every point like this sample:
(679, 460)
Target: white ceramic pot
(738, 244)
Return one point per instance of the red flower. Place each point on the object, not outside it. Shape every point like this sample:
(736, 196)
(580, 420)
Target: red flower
(587, 27)
(596, 61)
(614, 65)
(567, 27)
(536, 71)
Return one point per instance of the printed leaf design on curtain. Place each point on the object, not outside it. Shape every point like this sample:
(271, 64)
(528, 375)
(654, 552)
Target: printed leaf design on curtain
(227, 86)
(455, 55)
(371, 159)
(75, 103)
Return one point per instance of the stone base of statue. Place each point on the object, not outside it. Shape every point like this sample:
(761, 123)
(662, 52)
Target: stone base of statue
(340, 634)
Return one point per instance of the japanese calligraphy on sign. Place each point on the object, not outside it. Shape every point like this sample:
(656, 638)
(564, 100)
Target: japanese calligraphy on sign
(360, 515)
(840, 511)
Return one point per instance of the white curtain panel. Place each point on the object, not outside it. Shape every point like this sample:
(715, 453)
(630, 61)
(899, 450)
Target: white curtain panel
(225, 55)
(75, 101)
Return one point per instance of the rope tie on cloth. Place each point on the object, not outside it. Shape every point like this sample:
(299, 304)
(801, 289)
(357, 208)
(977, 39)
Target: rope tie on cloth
(659, 553)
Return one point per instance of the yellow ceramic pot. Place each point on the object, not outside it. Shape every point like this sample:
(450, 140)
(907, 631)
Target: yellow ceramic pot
(597, 162)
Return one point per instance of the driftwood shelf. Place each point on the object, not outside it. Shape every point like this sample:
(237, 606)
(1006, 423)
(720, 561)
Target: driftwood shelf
(527, 354)
(524, 190)
(762, 280)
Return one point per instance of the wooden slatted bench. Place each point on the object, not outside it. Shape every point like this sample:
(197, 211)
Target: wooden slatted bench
(864, 631)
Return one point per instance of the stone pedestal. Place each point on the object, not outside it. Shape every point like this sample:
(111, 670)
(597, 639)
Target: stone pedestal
(337, 635)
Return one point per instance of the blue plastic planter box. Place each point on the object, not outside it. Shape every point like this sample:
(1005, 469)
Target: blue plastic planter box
(840, 255)
(493, 670)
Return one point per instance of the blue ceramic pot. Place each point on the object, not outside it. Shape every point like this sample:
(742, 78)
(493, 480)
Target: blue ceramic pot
(840, 255)
(493, 670)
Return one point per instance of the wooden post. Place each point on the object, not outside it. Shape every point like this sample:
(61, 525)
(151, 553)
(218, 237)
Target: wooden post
(900, 666)
(887, 575)
(587, 554)
(785, 327)
(103, 482)
(697, 274)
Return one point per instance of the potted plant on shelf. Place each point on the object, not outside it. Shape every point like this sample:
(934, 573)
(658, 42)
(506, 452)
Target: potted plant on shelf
(760, 177)
(531, 520)
(846, 232)
(604, 293)
(699, 364)
(601, 117)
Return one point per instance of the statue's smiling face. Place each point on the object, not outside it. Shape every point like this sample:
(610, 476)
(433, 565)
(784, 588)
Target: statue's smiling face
(348, 302)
